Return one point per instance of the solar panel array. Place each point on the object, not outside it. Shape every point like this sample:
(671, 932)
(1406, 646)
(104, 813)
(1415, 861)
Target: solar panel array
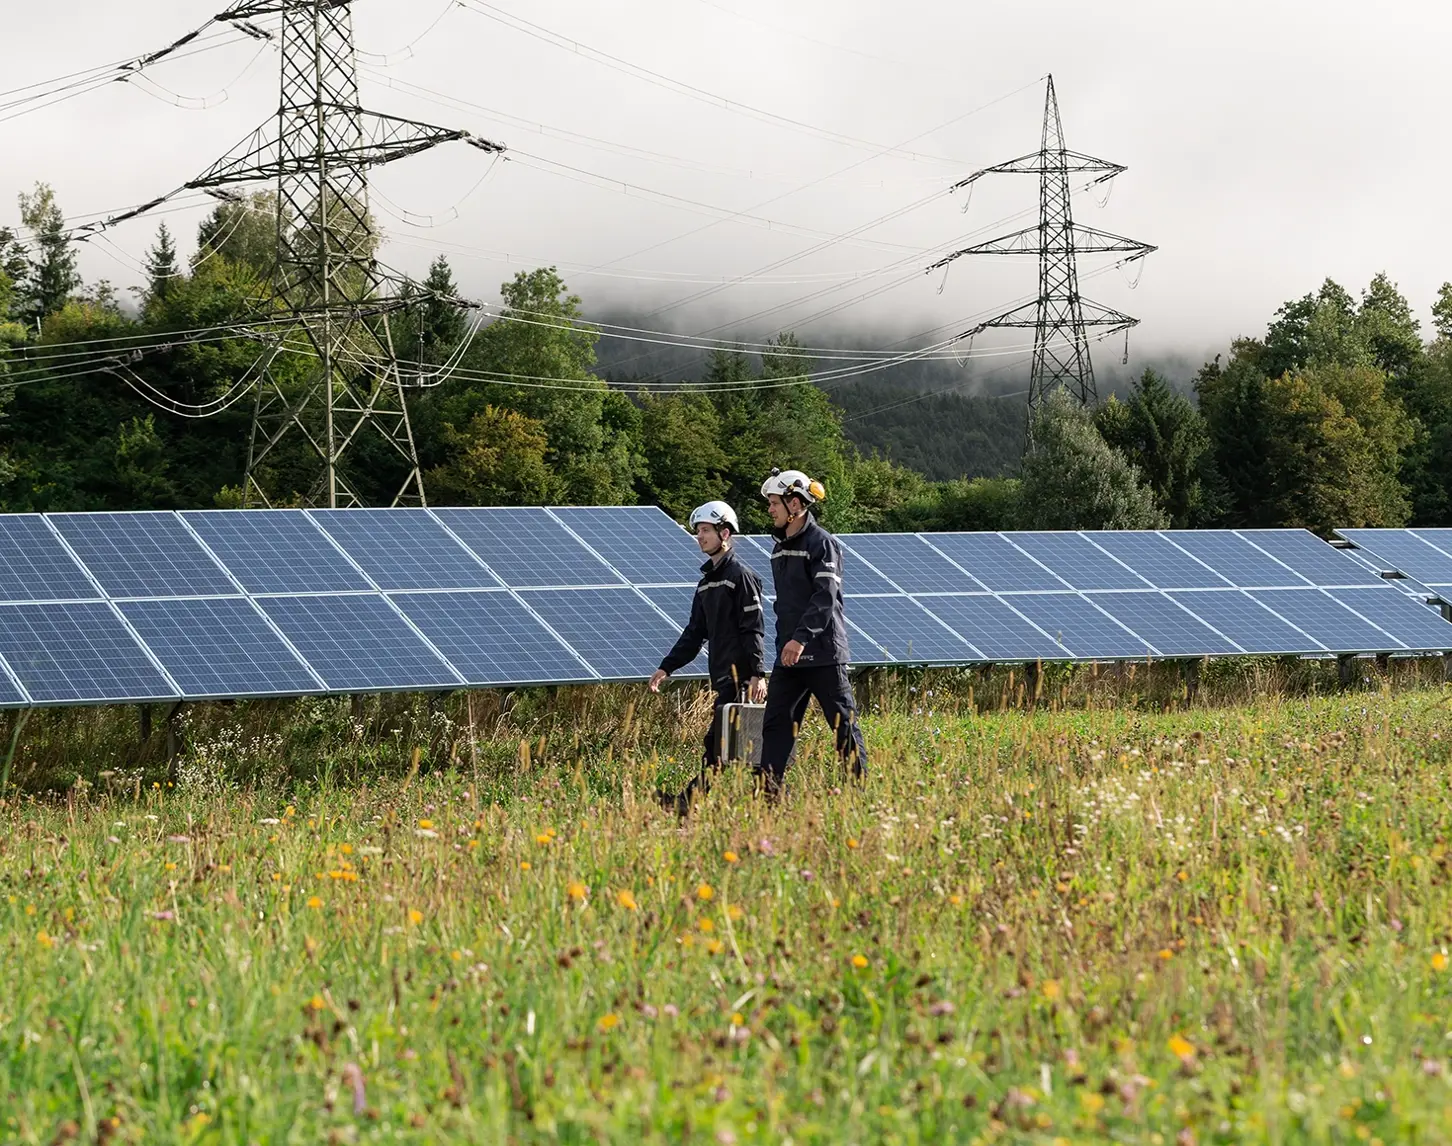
(1420, 559)
(138, 607)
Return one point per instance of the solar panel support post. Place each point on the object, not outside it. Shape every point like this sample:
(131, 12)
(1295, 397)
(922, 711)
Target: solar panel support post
(1346, 670)
(1033, 675)
(173, 739)
(1447, 667)
(1190, 674)
(145, 722)
(21, 717)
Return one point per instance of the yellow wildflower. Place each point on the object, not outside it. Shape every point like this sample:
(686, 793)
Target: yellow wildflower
(426, 825)
(626, 900)
(705, 892)
(1051, 989)
(525, 865)
(859, 961)
(44, 940)
(576, 891)
(1181, 1047)
(415, 916)
(734, 912)
(609, 1022)
(852, 843)
(314, 902)
(543, 838)
(706, 925)
(316, 1003)
(1166, 954)
(737, 1019)
(1439, 962)
(714, 946)
(731, 857)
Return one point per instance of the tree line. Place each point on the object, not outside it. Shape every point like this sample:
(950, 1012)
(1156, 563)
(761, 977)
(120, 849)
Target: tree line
(1339, 415)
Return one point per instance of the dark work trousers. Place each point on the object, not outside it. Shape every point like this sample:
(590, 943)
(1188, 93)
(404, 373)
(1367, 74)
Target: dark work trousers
(726, 693)
(788, 692)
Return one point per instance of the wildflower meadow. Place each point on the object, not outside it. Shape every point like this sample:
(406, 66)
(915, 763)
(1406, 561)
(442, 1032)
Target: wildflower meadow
(1170, 923)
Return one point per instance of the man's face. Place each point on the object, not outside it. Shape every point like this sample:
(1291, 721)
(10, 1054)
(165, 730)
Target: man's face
(780, 515)
(709, 538)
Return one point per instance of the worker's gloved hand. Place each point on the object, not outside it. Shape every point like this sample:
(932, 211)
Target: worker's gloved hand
(657, 678)
(755, 690)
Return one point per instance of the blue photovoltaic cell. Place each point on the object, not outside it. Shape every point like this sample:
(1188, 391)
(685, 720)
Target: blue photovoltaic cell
(1335, 626)
(676, 601)
(1441, 538)
(66, 654)
(1079, 562)
(10, 696)
(910, 563)
(616, 630)
(491, 638)
(1311, 557)
(750, 552)
(1156, 618)
(527, 547)
(34, 565)
(404, 549)
(143, 555)
(1405, 551)
(358, 644)
(1250, 625)
(1235, 559)
(994, 561)
(993, 628)
(643, 543)
(1086, 632)
(219, 647)
(907, 632)
(275, 551)
(1158, 560)
(1416, 626)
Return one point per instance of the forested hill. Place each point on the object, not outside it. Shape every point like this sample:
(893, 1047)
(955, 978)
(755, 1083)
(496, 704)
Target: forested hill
(941, 435)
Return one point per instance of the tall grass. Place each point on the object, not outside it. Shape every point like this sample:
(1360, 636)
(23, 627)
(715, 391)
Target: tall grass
(1114, 917)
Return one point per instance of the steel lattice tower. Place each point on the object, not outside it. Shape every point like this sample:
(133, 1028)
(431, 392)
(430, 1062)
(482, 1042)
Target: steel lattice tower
(1060, 317)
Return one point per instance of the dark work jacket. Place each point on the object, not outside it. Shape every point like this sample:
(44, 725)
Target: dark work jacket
(807, 572)
(726, 614)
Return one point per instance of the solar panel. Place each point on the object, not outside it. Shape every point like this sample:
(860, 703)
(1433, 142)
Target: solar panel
(909, 633)
(750, 553)
(908, 562)
(34, 565)
(491, 638)
(1331, 623)
(675, 600)
(1405, 551)
(143, 555)
(1247, 622)
(357, 643)
(1311, 557)
(404, 549)
(1164, 624)
(219, 647)
(645, 545)
(527, 548)
(78, 654)
(993, 627)
(994, 560)
(10, 694)
(1079, 562)
(1441, 538)
(1414, 625)
(275, 551)
(617, 631)
(1082, 629)
(1157, 559)
(1236, 559)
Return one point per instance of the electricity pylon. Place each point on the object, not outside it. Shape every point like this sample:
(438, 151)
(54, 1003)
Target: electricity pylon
(329, 289)
(1060, 316)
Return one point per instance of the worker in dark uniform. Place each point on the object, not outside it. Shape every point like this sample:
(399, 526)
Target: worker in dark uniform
(811, 631)
(726, 614)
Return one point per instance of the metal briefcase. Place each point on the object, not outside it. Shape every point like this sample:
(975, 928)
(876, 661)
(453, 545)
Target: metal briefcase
(741, 733)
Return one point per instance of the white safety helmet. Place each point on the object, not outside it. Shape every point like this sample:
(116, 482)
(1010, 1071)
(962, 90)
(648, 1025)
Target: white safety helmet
(716, 513)
(795, 483)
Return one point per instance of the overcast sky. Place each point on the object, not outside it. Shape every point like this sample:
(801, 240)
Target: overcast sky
(1270, 144)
